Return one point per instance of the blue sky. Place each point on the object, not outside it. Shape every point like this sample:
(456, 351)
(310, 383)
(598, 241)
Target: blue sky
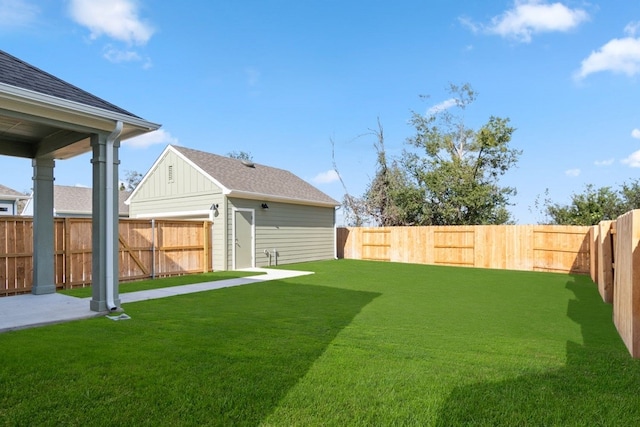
(281, 79)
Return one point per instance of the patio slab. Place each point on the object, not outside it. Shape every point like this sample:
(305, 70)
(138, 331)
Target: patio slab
(27, 311)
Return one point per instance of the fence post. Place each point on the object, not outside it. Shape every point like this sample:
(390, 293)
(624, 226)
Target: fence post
(67, 253)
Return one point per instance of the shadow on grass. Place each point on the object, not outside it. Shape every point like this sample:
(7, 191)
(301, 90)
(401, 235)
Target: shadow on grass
(599, 385)
(212, 358)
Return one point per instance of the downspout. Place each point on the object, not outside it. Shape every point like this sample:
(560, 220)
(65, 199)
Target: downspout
(153, 248)
(109, 229)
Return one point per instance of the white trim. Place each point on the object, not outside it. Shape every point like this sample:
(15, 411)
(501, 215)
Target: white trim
(233, 236)
(204, 213)
(227, 191)
(59, 104)
(146, 175)
(224, 189)
(270, 198)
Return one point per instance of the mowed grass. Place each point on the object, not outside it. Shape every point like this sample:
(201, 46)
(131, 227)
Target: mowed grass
(357, 343)
(144, 285)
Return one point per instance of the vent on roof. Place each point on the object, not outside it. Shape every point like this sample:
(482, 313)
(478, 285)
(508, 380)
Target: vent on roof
(248, 163)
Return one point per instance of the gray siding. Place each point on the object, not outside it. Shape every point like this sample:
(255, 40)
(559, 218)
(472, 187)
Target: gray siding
(298, 233)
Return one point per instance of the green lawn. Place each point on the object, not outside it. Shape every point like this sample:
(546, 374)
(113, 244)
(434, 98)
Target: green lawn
(143, 285)
(357, 343)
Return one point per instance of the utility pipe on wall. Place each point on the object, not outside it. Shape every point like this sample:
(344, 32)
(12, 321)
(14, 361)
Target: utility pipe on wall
(153, 248)
(109, 217)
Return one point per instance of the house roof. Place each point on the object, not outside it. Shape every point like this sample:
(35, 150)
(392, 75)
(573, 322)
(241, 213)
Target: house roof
(42, 116)
(15, 72)
(7, 193)
(79, 200)
(255, 181)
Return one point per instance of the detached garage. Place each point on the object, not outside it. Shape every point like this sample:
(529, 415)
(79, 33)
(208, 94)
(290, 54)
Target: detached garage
(261, 215)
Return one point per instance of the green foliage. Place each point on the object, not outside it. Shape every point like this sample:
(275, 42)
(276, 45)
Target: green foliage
(391, 199)
(457, 168)
(241, 155)
(593, 205)
(449, 177)
(131, 180)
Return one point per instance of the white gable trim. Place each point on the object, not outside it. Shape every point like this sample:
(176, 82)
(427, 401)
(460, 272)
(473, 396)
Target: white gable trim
(170, 148)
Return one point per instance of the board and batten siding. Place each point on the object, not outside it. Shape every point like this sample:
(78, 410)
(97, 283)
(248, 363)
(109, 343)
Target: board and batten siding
(173, 186)
(298, 233)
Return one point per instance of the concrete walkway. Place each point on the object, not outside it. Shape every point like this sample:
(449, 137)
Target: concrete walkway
(27, 311)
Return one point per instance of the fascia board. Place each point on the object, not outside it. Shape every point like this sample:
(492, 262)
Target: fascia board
(13, 197)
(57, 108)
(271, 198)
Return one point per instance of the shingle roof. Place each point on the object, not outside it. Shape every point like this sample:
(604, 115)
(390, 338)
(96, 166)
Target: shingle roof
(15, 72)
(258, 179)
(6, 191)
(78, 200)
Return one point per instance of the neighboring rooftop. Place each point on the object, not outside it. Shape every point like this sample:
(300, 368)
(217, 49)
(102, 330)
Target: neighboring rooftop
(8, 193)
(15, 72)
(247, 177)
(77, 201)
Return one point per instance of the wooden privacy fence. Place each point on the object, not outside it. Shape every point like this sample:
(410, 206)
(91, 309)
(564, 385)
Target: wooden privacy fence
(616, 270)
(564, 249)
(148, 248)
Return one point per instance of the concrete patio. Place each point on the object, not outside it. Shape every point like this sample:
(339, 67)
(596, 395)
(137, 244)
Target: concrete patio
(28, 311)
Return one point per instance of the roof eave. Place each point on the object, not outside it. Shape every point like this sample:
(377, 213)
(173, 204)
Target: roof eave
(276, 198)
(54, 108)
(13, 197)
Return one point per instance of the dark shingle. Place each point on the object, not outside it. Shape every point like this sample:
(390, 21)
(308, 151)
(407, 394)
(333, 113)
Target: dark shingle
(259, 179)
(15, 72)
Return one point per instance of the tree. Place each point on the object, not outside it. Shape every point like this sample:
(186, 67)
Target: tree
(131, 180)
(391, 199)
(593, 205)
(630, 194)
(457, 169)
(241, 155)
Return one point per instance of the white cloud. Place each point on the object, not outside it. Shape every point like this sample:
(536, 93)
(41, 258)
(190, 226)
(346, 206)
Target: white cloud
(528, 17)
(159, 136)
(617, 55)
(117, 19)
(631, 29)
(633, 160)
(635, 133)
(117, 55)
(572, 172)
(444, 105)
(17, 13)
(326, 177)
(607, 162)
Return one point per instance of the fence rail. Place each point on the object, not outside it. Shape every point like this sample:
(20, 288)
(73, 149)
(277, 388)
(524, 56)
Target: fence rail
(148, 248)
(513, 247)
